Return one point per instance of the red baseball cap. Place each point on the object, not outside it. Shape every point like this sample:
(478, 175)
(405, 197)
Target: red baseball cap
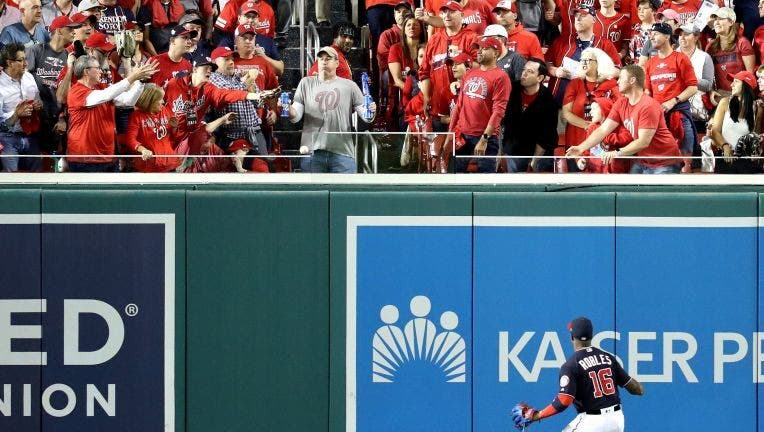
(452, 5)
(488, 42)
(244, 29)
(81, 18)
(63, 21)
(99, 41)
(746, 77)
(250, 7)
(459, 59)
(222, 51)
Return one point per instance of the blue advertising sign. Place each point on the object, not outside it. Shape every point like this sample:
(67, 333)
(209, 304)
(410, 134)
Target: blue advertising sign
(686, 332)
(88, 345)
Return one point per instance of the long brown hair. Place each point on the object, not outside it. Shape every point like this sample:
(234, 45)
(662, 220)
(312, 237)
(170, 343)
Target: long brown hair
(716, 43)
(404, 40)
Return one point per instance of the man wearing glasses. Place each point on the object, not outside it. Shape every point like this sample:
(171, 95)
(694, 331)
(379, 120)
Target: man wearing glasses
(21, 106)
(92, 133)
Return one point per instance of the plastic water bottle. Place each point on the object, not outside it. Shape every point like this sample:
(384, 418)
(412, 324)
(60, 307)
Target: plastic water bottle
(284, 99)
(56, 168)
(366, 81)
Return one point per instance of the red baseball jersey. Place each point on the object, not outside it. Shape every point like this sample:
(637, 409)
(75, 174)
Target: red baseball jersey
(647, 114)
(616, 29)
(482, 101)
(434, 67)
(168, 69)
(686, 10)
(666, 77)
(477, 15)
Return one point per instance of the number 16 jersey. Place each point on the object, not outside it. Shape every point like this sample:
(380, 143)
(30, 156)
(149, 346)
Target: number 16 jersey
(592, 377)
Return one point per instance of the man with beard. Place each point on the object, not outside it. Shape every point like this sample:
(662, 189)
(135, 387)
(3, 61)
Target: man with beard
(530, 123)
(344, 36)
(480, 108)
(326, 103)
(643, 117)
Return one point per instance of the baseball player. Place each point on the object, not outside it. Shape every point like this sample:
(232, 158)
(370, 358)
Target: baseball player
(589, 379)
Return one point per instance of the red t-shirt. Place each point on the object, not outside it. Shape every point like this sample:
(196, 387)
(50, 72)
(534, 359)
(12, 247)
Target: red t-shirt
(482, 101)
(666, 77)
(229, 17)
(153, 131)
(579, 93)
(477, 16)
(180, 97)
(396, 56)
(729, 62)
(387, 39)
(526, 100)
(266, 79)
(343, 70)
(524, 43)
(434, 66)
(647, 114)
(168, 68)
(92, 130)
(617, 29)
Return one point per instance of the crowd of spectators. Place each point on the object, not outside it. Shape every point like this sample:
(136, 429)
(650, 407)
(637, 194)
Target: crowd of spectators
(604, 86)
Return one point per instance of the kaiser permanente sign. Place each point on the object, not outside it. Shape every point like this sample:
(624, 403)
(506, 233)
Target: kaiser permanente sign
(87, 322)
(504, 289)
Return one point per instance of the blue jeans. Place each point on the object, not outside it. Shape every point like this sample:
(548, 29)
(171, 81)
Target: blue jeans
(638, 168)
(521, 165)
(485, 165)
(14, 144)
(324, 161)
(93, 167)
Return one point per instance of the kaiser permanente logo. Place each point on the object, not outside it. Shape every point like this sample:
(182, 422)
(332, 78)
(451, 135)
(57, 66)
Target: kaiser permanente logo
(419, 342)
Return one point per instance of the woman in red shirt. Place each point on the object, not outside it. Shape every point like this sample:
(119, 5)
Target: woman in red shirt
(730, 51)
(402, 62)
(595, 80)
(153, 130)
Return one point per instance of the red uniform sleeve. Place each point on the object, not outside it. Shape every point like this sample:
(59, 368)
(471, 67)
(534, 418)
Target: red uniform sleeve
(220, 97)
(133, 128)
(502, 88)
(228, 17)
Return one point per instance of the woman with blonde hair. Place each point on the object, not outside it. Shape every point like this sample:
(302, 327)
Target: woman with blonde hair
(730, 50)
(595, 79)
(153, 130)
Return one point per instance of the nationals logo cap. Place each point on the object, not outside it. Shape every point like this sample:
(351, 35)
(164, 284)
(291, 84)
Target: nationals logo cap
(581, 329)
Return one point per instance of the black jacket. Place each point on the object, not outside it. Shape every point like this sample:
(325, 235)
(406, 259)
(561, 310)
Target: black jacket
(536, 125)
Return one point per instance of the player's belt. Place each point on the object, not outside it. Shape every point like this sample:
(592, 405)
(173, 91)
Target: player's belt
(613, 408)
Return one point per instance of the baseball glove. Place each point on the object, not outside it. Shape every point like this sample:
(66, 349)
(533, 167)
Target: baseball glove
(522, 415)
(125, 41)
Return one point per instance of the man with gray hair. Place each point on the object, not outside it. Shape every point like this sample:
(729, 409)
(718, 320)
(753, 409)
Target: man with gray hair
(326, 103)
(30, 30)
(92, 128)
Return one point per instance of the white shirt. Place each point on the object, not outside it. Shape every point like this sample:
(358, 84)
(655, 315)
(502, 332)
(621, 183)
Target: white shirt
(13, 92)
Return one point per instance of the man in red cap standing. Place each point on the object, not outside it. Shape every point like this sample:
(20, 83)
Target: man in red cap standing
(48, 60)
(480, 108)
(434, 74)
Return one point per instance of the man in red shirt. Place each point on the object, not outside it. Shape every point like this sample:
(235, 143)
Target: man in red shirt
(434, 74)
(228, 18)
(344, 37)
(643, 117)
(480, 108)
(671, 81)
(392, 35)
(519, 40)
(92, 128)
(172, 62)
